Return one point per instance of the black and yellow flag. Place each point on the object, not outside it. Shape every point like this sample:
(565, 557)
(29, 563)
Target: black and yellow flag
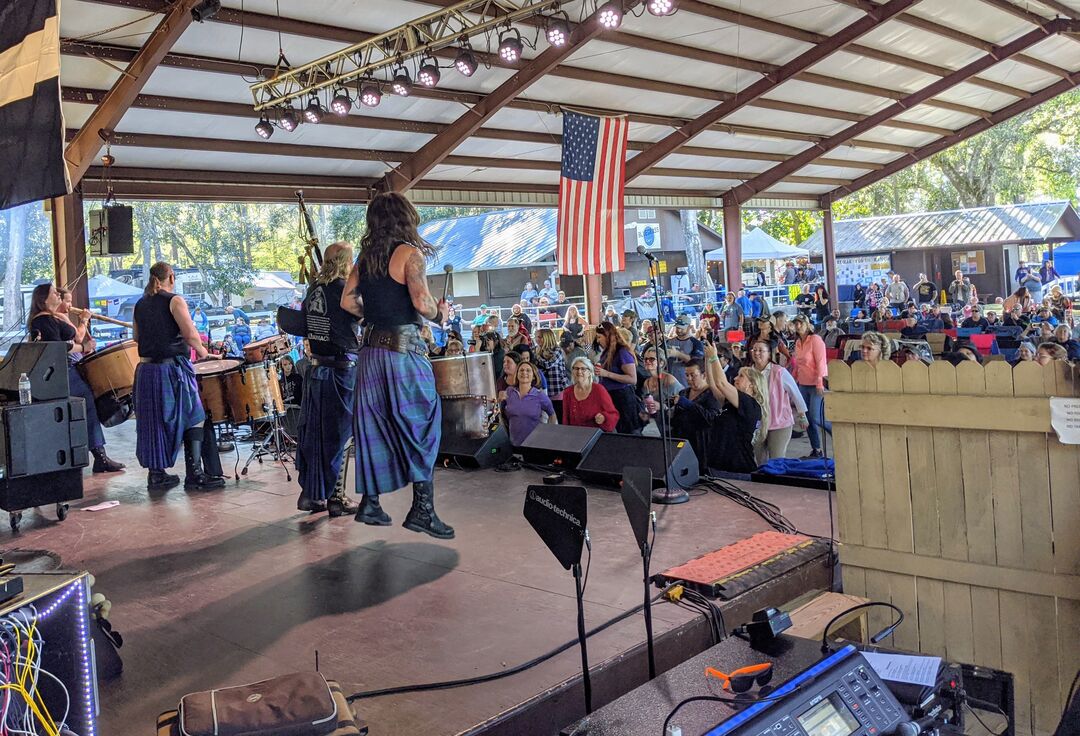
(31, 124)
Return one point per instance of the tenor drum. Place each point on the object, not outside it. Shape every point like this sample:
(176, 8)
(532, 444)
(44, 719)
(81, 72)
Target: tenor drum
(266, 349)
(254, 392)
(466, 384)
(110, 373)
(211, 376)
(465, 376)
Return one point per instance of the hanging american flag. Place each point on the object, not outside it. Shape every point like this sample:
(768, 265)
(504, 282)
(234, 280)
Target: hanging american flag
(590, 234)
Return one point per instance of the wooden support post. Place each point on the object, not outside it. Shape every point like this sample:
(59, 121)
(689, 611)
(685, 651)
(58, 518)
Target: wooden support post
(594, 297)
(733, 245)
(829, 261)
(69, 247)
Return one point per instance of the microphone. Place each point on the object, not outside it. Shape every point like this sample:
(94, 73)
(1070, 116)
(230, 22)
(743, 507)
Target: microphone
(914, 728)
(642, 250)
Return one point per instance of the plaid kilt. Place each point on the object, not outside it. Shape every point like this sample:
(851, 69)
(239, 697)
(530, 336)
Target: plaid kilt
(325, 418)
(166, 402)
(398, 420)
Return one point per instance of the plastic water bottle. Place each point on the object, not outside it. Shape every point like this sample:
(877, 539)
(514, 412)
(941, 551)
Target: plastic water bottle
(24, 389)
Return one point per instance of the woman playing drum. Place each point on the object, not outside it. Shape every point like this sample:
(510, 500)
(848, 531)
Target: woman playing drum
(168, 410)
(48, 321)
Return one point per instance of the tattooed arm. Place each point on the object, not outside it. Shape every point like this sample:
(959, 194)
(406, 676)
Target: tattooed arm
(416, 280)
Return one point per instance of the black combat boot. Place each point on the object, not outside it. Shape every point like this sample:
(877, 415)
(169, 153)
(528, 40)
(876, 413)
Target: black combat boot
(421, 517)
(103, 463)
(159, 480)
(195, 479)
(303, 503)
(371, 512)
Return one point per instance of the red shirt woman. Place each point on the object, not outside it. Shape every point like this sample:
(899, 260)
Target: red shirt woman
(585, 403)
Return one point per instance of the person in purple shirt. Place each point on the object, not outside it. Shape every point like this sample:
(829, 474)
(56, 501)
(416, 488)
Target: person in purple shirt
(526, 404)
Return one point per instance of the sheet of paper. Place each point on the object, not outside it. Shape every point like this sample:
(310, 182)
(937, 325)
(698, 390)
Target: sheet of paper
(1065, 419)
(102, 506)
(916, 670)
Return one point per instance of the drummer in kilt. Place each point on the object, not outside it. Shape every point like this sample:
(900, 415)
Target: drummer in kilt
(398, 418)
(168, 410)
(326, 408)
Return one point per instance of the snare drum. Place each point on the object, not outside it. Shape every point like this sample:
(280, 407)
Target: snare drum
(213, 388)
(254, 392)
(268, 348)
(110, 373)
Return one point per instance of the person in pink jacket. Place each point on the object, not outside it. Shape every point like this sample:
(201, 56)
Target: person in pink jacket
(810, 370)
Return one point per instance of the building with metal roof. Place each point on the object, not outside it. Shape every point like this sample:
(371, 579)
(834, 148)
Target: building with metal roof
(984, 242)
(494, 253)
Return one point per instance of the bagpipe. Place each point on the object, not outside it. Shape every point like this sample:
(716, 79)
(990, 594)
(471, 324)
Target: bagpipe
(292, 321)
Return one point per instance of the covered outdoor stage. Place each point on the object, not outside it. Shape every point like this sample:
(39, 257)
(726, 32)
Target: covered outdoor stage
(221, 588)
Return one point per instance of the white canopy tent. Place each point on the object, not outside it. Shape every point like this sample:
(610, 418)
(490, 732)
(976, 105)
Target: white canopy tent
(758, 245)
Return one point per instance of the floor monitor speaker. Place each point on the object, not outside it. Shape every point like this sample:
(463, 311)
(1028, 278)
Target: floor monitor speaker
(613, 452)
(487, 452)
(44, 363)
(559, 444)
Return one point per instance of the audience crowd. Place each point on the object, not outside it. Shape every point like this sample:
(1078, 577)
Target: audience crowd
(738, 380)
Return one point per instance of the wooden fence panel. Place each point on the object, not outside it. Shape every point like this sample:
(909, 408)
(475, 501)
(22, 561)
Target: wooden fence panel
(950, 484)
(1005, 480)
(959, 505)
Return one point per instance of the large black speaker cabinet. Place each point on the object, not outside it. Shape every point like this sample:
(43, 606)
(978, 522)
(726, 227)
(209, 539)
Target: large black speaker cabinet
(110, 231)
(559, 444)
(468, 452)
(44, 363)
(43, 437)
(612, 452)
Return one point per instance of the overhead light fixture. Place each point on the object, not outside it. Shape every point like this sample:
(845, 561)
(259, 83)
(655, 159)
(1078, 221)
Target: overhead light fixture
(611, 15)
(341, 104)
(661, 7)
(557, 31)
(402, 84)
(466, 62)
(205, 10)
(289, 119)
(428, 75)
(313, 113)
(370, 94)
(264, 128)
(510, 47)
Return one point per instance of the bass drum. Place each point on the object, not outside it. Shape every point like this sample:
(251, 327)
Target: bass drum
(110, 374)
(254, 392)
(470, 375)
(211, 376)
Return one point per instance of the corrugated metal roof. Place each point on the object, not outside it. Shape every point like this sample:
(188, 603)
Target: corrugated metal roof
(1014, 223)
(493, 240)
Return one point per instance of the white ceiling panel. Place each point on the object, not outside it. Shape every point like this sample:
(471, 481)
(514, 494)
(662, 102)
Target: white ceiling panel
(973, 17)
(811, 15)
(217, 161)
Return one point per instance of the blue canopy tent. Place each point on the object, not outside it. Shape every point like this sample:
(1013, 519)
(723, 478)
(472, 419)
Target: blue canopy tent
(1066, 258)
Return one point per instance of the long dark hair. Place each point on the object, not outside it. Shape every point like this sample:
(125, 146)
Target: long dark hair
(615, 340)
(38, 298)
(391, 220)
(159, 273)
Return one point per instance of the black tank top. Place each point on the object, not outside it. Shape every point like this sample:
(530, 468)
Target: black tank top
(159, 335)
(386, 302)
(330, 329)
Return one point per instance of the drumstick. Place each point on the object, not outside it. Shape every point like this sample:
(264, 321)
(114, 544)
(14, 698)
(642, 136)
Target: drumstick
(447, 268)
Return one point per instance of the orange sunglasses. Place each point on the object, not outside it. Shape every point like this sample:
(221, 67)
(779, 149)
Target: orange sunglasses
(742, 679)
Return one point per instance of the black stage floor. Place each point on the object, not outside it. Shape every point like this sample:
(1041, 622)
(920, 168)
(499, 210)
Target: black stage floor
(218, 588)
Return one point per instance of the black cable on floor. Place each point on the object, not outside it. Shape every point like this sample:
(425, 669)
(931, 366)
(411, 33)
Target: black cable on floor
(449, 684)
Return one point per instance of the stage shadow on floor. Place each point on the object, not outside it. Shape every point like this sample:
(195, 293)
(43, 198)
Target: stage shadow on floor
(178, 657)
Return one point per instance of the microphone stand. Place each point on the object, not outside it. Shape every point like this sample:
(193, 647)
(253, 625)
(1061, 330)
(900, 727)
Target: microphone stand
(662, 495)
(586, 681)
(646, 558)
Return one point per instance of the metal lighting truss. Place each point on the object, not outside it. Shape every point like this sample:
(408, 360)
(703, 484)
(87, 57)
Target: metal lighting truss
(422, 37)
